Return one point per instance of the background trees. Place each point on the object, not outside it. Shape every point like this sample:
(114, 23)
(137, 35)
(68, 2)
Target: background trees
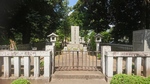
(90, 14)
(128, 16)
(32, 20)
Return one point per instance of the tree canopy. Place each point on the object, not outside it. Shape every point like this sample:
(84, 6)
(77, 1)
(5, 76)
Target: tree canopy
(90, 14)
(33, 20)
(128, 16)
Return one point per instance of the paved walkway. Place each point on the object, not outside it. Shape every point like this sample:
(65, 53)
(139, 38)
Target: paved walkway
(78, 77)
(78, 81)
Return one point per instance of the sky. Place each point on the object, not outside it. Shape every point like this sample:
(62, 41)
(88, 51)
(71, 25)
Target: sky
(72, 2)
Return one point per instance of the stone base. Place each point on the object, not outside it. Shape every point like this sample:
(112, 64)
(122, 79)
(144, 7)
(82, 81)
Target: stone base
(108, 79)
(74, 47)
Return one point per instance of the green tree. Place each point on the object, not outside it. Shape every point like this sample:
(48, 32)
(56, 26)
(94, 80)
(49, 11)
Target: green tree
(34, 19)
(106, 36)
(63, 29)
(92, 42)
(128, 16)
(90, 14)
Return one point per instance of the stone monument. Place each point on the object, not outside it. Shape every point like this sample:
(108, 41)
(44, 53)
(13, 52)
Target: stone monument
(75, 34)
(141, 40)
(75, 40)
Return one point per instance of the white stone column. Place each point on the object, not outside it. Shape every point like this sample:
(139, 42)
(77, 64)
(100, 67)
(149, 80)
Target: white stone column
(47, 66)
(119, 65)
(27, 66)
(109, 68)
(129, 65)
(36, 66)
(138, 66)
(104, 49)
(147, 67)
(52, 49)
(17, 65)
(7, 66)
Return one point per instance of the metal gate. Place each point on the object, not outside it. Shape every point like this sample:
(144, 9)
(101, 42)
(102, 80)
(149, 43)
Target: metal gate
(77, 60)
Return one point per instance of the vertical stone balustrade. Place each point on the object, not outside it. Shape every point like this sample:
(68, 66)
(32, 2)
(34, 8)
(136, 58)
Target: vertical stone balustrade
(104, 49)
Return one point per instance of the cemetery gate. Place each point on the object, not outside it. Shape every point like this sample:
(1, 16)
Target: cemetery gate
(77, 60)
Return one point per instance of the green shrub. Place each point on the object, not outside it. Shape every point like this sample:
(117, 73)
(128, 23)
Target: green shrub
(99, 56)
(42, 64)
(21, 81)
(129, 79)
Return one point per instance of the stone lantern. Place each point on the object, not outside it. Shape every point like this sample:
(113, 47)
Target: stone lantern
(53, 37)
(98, 40)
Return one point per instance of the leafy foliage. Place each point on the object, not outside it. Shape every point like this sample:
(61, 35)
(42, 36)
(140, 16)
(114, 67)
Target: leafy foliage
(129, 79)
(92, 42)
(20, 81)
(128, 16)
(42, 64)
(90, 14)
(34, 19)
(106, 36)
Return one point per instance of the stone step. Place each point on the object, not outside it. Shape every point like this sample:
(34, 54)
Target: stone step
(78, 75)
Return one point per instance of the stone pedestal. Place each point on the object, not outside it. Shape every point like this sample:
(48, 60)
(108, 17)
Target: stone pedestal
(74, 47)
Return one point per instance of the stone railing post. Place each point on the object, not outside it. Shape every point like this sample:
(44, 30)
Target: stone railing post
(129, 65)
(26, 66)
(17, 64)
(138, 61)
(52, 49)
(147, 66)
(36, 66)
(119, 65)
(109, 66)
(104, 49)
(7, 66)
(48, 65)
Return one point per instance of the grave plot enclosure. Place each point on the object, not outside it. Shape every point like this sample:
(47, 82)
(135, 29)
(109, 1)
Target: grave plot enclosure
(77, 60)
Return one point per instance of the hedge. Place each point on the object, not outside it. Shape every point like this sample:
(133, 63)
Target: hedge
(20, 81)
(129, 79)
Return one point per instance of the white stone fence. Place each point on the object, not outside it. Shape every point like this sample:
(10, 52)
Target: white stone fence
(126, 62)
(25, 55)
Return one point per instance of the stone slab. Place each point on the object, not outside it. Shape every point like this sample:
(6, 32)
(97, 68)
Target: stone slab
(75, 46)
(141, 40)
(75, 34)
